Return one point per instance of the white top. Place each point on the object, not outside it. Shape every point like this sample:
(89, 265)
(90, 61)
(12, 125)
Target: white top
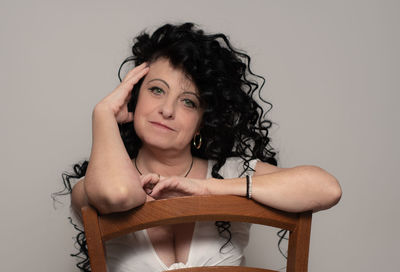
(135, 252)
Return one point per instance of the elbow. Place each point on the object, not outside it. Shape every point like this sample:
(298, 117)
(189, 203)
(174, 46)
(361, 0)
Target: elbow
(121, 199)
(332, 193)
(335, 192)
(326, 191)
(117, 199)
(114, 200)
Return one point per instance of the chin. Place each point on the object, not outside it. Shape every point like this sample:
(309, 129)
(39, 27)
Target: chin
(156, 142)
(165, 144)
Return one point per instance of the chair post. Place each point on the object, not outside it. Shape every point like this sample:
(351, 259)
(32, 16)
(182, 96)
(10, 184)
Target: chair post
(94, 240)
(299, 244)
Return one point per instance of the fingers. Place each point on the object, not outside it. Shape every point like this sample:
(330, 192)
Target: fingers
(159, 187)
(148, 179)
(134, 75)
(148, 182)
(129, 117)
(131, 79)
(134, 70)
(118, 100)
(178, 186)
(167, 186)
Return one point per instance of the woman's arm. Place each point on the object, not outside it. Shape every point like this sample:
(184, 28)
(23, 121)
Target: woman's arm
(295, 189)
(111, 183)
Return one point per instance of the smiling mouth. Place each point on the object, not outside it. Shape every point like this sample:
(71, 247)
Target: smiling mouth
(161, 126)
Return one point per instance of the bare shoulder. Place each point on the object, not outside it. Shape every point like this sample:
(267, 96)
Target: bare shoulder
(263, 168)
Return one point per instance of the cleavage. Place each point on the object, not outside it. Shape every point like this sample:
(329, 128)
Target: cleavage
(172, 242)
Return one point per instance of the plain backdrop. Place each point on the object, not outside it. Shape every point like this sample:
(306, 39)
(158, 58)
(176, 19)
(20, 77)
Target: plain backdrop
(332, 70)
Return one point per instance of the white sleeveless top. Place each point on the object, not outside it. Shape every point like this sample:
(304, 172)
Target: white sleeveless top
(135, 252)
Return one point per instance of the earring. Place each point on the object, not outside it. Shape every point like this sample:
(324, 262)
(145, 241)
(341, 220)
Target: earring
(197, 140)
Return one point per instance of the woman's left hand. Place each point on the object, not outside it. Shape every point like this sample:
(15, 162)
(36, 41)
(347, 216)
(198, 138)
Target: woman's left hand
(160, 187)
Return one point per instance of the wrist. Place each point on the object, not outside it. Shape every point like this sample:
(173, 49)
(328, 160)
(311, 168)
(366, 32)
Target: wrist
(235, 186)
(102, 109)
(103, 113)
(207, 187)
(211, 186)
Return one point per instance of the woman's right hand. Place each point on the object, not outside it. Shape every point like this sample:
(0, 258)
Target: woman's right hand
(117, 100)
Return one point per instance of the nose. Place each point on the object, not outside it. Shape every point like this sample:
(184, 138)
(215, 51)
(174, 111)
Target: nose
(167, 109)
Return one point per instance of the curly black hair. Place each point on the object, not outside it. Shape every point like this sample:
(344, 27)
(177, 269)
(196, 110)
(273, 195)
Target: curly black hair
(233, 123)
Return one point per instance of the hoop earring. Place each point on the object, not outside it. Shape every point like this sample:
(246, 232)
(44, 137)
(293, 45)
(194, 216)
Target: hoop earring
(197, 140)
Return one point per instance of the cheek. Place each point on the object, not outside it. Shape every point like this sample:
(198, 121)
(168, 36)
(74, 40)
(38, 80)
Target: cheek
(137, 126)
(143, 106)
(136, 119)
(193, 124)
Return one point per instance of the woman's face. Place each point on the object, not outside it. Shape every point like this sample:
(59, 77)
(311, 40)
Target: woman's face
(168, 112)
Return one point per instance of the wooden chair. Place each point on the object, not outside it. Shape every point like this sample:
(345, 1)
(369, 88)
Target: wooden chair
(100, 228)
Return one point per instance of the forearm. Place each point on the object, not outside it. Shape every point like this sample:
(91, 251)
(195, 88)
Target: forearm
(111, 184)
(295, 190)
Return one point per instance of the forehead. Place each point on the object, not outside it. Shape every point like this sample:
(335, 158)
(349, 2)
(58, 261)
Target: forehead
(162, 69)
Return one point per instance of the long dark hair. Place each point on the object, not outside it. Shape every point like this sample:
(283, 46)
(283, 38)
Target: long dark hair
(233, 124)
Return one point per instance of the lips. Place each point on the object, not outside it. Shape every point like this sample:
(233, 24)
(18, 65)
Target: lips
(161, 125)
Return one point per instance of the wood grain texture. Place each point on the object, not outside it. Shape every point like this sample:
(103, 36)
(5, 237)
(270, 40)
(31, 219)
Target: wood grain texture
(94, 239)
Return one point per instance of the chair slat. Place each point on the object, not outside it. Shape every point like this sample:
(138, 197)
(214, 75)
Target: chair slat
(223, 269)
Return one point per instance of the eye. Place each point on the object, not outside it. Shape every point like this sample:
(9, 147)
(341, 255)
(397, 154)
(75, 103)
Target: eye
(189, 103)
(156, 90)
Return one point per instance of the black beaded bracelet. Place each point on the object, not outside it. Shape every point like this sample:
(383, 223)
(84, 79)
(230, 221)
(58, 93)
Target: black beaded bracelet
(248, 186)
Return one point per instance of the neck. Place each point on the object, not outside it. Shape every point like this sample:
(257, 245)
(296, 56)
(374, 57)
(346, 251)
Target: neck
(164, 163)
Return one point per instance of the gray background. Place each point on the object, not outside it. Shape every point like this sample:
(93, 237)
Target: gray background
(332, 70)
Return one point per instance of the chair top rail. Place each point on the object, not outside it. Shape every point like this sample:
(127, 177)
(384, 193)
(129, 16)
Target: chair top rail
(194, 208)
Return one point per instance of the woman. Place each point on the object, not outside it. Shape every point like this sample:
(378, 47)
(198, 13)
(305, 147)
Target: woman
(184, 122)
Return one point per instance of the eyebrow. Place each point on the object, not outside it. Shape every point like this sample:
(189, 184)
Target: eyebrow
(192, 93)
(159, 79)
(163, 81)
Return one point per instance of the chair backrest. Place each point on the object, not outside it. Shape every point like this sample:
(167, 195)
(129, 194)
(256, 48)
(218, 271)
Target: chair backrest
(100, 228)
